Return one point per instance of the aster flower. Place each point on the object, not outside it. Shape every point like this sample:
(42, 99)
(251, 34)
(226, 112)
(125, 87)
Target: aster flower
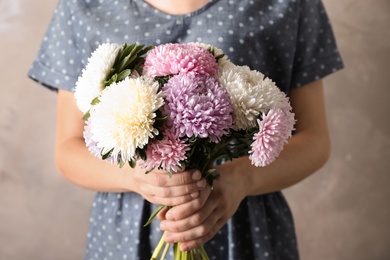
(91, 82)
(167, 154)
(176, 106)
(198, 106)
(251, 94)
(174, 58)
(274, 130)
(219, 54)
(123, 120)
(92, 145)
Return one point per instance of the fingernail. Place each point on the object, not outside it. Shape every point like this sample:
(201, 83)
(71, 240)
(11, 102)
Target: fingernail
(184, 247)
(201, 184)
(169, 216)
(196, 176)
(163, 226)
(168, 238)
(194, 195)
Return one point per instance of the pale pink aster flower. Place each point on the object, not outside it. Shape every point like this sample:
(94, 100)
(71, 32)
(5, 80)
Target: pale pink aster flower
(217, 52)
(166, 154)
(274, 131)
(174, 58)
(197, 106)
(92, 144)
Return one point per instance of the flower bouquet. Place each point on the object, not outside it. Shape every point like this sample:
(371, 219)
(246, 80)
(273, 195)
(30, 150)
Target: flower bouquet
(177, 106)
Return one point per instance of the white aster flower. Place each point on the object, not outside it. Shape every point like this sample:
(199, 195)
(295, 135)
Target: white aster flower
(123, 120)
(90, 84)
(251, 94)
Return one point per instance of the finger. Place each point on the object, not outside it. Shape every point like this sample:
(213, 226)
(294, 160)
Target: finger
(161, 213)
(180, 190)
(163, 179)
(184, 177)
(156, 197)
(190, 222)
(185, 210)
(190, 245)
(200, 232)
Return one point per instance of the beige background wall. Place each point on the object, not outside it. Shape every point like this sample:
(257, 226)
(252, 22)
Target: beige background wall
(342, 212)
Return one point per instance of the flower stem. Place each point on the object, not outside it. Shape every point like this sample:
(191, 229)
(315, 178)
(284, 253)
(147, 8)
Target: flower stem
(176, 251)
(159, 247)
(164, 254)
(203, 253)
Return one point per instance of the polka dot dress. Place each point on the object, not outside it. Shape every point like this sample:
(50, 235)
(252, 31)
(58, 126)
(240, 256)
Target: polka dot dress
(290, 41)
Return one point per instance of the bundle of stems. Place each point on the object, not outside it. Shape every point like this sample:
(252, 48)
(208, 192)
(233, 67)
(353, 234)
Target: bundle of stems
(202, 156)
(162, 249)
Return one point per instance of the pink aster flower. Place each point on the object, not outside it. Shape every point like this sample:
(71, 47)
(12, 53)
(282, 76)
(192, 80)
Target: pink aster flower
(274, 130)
(92, 144)
(175, 58)
(166, 154)
(198, 106)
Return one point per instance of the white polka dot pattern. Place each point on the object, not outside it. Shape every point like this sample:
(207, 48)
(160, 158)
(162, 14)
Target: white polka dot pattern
(262, 228)
(290, 41)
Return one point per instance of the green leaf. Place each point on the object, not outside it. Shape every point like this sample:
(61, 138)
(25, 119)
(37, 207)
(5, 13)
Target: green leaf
(110, 80)
(130, 57)
(95, 101)
(160, 136)
(159, 121)
(161, 118)
(86, 115)
(219, 57)
(141, 153)
(145, 50)
(121, 54)
(154, 214)
(132, 163)
(211, 176)
(137, 49)
(125, 62)
(147, 172)
(108, 154)
(121, 164)
(211, 50)
(123, 74)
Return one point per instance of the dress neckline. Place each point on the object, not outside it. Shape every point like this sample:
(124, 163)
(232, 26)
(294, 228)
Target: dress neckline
(193, 13)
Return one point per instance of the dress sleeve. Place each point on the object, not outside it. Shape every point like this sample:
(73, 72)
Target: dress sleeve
(58, 64)
(316, 52)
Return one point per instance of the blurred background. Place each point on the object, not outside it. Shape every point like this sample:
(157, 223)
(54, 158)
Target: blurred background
(341, 213)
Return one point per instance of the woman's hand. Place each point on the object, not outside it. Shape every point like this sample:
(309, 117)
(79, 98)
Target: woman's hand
(308, 149)
(196, 222)
(158, 188)
(78, 165)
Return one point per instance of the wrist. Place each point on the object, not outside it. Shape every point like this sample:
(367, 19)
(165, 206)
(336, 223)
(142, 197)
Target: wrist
(238, 176)
(248, 177)
(126, 181)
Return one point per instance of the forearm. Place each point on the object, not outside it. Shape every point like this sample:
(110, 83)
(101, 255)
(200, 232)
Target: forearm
(76, 164)
(307, 150)
(79, 166)
(301, 157)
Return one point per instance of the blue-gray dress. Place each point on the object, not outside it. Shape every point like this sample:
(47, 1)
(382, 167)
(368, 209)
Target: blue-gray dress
(290, 41)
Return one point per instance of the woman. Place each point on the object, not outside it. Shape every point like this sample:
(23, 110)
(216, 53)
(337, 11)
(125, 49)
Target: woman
(246, 215)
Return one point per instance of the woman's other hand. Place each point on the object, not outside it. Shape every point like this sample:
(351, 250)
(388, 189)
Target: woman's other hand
(159, 188)
(195, 222)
